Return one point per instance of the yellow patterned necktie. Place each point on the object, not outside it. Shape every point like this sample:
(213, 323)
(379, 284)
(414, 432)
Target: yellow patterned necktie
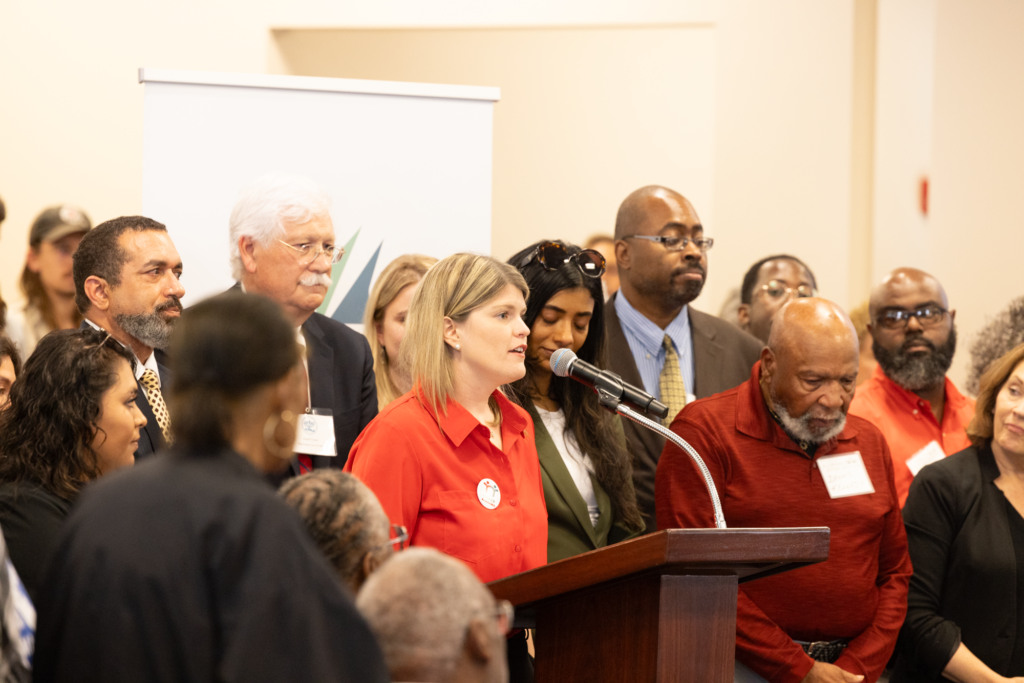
(670, 383)
(156, 402)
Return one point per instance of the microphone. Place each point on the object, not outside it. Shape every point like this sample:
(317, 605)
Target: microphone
(608, 385)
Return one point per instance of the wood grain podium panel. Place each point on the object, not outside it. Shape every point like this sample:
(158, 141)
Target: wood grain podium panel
(660, 608)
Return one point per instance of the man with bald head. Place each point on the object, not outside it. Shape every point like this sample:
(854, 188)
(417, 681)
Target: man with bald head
(784, 453)
(655, 339)
(921, 413)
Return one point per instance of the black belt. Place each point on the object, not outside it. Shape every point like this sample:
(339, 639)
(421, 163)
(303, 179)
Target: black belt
(824, 650)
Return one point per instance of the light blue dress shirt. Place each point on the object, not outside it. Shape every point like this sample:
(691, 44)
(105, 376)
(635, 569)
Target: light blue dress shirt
(645, 341)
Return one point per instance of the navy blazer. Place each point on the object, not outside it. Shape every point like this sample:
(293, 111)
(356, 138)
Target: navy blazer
(340, 378)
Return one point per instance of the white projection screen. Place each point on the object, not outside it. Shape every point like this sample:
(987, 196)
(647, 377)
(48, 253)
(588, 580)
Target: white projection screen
(408, 166)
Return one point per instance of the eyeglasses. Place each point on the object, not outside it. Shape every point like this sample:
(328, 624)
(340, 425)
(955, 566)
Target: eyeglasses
(776, 289)
(307, 253)
(505, 613)
(927, 316)
(399, 535)
(553, 256)
(673, 243)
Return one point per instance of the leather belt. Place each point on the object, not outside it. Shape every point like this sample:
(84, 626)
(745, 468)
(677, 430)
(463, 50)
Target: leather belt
(824, 650)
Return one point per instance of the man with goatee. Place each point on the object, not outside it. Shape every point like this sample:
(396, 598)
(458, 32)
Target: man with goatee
(919, 410)
(655, 339)
(127, 276)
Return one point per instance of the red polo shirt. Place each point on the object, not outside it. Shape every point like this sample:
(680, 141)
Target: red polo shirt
(908, 423)
(426, 469)
(765, 480)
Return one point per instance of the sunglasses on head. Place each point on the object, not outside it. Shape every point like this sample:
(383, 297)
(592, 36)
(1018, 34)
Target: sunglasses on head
(553, 256)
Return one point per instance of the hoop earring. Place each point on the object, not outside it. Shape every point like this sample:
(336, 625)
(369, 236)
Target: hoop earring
(270, 432)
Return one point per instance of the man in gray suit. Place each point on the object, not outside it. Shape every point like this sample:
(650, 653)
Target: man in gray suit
(655, 339)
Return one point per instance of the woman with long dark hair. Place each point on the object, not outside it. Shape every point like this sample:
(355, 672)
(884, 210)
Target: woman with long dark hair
(189, 567)
(72, 418)
(586, 470)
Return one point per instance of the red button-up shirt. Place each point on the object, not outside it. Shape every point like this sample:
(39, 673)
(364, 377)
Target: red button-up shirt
(425, 469)
(908, 423)
(765, 480)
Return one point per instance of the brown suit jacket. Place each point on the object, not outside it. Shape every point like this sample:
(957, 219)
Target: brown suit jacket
(723, 355)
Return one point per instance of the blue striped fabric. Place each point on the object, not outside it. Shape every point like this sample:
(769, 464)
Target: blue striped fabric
(645, 338)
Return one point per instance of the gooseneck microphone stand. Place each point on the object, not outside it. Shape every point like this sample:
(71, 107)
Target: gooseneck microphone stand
(626, 411)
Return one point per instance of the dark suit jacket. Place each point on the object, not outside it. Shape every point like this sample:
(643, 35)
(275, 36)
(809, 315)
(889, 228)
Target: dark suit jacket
(151, 439)
(964, 586)
(340, 378)
(569, 529)
(723, 355)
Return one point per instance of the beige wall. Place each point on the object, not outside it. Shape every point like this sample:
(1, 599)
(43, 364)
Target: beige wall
(787, 133)
(976, 229)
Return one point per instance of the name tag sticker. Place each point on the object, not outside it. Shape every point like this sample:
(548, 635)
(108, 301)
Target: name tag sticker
(845, 475)
(926, 456)
(315, 435)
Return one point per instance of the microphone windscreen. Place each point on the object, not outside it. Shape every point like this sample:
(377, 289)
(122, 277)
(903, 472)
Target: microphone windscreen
(561, 360)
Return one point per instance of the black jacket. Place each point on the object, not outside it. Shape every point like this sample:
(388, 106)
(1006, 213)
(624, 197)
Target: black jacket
(964, 586)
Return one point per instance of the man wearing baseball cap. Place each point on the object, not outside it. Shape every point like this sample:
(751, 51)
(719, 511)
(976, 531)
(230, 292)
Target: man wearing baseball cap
(46, 280)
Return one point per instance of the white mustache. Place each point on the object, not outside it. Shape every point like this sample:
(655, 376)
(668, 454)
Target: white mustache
(313, 279)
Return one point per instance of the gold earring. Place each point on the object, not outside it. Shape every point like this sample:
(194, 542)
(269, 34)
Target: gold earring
(270, 434)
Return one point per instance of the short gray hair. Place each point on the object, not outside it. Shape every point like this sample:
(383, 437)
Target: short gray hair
(1000, 335)
(419, 604)
(265, 205)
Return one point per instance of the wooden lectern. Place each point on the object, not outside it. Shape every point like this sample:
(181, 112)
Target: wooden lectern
(660, 608)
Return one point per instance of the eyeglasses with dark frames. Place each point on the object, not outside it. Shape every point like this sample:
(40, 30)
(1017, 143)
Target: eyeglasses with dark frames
(307, 253)
(553, 256)
(675, 243)
(896, 318)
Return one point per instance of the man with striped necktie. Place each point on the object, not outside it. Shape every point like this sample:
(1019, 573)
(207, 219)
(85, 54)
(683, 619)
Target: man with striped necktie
(655, 339)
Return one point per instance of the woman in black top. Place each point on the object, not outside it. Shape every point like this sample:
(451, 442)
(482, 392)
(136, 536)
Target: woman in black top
(72, 418)
(188, 567)
(965, 617)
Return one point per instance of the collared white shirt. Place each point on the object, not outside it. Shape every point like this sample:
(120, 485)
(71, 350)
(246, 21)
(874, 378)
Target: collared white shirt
(138, 366)
(645, 342)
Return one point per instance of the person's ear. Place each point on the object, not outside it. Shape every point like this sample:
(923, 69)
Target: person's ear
(479, 642)
(371, 563)
(623, 258)
(32, 260)
(952, 316)
(247, 251)
(451, 333)
(98, 292)
(768, 364)
(743, 316)
(378, 327)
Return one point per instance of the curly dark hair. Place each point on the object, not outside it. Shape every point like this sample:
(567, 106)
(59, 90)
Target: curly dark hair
(1002, 333)
(9, 349)
(338, 511)
(592, 425)
(47, 429)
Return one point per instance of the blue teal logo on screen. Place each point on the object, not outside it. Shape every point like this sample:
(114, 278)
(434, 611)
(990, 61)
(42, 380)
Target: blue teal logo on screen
(353, 305)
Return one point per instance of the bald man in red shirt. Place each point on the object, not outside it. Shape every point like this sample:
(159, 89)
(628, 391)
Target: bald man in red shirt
(783, 453)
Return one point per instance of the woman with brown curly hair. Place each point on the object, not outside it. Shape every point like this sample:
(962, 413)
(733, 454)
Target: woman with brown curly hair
(72, 418)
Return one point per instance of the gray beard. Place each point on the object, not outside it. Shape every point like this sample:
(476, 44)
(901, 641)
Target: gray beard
(149, 328)
(917, 372)
(799, 428)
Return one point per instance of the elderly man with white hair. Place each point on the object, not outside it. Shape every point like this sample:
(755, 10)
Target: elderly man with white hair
(435, 621)
(283, 247)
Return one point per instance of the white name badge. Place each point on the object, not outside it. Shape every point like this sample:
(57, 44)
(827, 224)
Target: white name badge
(845, 475)
(488, 494)
(926, 456)
(315, 435)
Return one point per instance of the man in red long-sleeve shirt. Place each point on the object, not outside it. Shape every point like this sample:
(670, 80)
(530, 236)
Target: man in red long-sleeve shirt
(783, 453)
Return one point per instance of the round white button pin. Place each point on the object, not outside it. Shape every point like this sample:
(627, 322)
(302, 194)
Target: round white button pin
(488, 494)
